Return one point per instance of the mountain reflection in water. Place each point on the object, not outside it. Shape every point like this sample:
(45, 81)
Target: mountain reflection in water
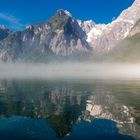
(69, 110)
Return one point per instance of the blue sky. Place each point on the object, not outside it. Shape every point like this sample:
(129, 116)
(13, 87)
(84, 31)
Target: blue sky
(17, 13)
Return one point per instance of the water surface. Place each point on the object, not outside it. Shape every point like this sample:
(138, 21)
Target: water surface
(69, 109)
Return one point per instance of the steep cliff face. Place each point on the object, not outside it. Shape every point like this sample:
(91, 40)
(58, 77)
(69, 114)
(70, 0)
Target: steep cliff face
(104, 37)
(61, 35)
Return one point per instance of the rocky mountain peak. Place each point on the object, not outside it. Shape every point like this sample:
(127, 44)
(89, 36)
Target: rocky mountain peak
(62, 12)
(60, 19)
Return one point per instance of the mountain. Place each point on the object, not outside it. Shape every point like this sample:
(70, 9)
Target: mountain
(127, 50)
(104, 37)
(135, 29)
(4, 32)
(61, 36)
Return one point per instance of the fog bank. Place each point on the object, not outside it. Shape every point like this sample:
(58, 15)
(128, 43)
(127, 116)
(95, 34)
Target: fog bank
(70, 71)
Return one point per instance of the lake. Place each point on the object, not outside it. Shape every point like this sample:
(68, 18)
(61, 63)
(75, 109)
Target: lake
(69, 109)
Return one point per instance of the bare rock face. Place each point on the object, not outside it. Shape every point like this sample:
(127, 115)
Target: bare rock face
(135, 30)
(86, 25)
(61, 36)
(104, 37)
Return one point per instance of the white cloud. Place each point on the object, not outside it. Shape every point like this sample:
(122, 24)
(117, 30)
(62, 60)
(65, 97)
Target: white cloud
(12, 21)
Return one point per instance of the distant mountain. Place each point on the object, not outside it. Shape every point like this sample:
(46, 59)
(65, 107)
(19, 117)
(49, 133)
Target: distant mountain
(4, 32)
(63, 36)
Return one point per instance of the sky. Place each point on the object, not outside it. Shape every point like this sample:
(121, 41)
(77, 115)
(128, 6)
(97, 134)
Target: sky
(16, 14)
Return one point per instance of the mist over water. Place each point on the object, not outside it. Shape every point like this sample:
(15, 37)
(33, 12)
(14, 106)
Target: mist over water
(70, 71)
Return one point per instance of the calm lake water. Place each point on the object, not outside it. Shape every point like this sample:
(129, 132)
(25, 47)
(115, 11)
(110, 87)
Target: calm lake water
(69, 110)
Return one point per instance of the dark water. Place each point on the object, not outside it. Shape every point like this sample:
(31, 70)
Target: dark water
(69, 110)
